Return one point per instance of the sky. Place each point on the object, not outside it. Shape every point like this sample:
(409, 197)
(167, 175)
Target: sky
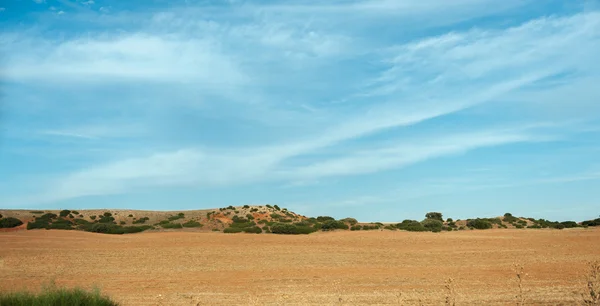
(380, 110)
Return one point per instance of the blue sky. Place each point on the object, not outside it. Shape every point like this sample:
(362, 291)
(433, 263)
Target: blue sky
(376, 109)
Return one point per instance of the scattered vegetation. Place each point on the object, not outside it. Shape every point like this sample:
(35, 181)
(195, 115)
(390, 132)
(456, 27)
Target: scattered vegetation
(177, 217)
(170, 225)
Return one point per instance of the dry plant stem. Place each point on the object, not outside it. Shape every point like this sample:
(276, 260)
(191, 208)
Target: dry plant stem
(519, 271)
(592, 292)
(450, 293)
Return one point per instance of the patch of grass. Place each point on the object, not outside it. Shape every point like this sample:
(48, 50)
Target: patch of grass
(10, 222)
(192, 223)
(56, 297)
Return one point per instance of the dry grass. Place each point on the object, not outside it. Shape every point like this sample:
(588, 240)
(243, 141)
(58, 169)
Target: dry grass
(340, 268)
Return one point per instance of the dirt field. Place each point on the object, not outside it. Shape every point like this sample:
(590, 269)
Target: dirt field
(187, 268)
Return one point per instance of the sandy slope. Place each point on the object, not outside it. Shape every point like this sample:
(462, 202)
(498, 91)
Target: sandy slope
(179, 268)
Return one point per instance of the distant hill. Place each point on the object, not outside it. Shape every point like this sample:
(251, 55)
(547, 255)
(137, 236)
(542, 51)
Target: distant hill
(248, 219)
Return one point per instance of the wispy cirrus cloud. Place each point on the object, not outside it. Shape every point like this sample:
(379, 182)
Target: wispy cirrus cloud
(254, 93)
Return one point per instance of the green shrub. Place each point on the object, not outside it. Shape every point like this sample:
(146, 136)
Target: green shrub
(106, 218)
(216, 230)
(37, 212)
(269, 206)
(411, 226)
(595, 222)
(107, 214)
(253, 230)
(325, 218)
(1, 216)
(141, 220)
(48, 216)
(246, 206)
(263, 222)
(130, 216)
(570, 224)
(254, 210)
(508, 217)
(249, 217)
(56, 297)
(179, 216)
(449, 220)
(519, 226)
(64, 213)
(171, 225)
(435, 216)
(350, 221)
(103, 228)
(276, 207)
(122, 222)
(192, 223)
(230, 207)
(38, 224)
(356, 228)
(81, 221)
(136, 229)
(93, 217)
(559, 226)
(389, 228)
(75, 212)
(479, 224)
(10, 222)
(233, 230)
(534, 226)
(331, 225)
(291, 229)
(433, 225)
(370, 227)
(242, 224)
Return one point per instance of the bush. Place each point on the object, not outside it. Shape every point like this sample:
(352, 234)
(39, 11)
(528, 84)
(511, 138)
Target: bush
(107, 214)
(350, 221)
(435, 216)
(508, 217)
(130, 216)
(192, 223)
(276, 207)
(10, 222)
(103, 228)
(246, 206)
(36, 212)
(141, 220)
(93, 217)
(570, 224)
(331, 225)
(411, 226)
(479, 224)
(233, 230)
(106, 218)
(75, 212)
(253, 230)
(250, 217)
(122, 222)
(370, 227)
(519, 226)
(230, 207)
(269, 206)
(38, 224)
(48, 216)
(595, 222)
(179, 216)
(1, 216)
(291, 229)
(433, 225)
(356, 228)
(216, 230)
(171, 225)
(64, 213)
(56, 297)
(324, 218)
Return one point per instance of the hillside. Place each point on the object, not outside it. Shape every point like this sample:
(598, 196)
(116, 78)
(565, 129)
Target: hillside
(248, 219)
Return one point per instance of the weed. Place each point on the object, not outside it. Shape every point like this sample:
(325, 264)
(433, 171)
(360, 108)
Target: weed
(56, 297)
(520, 273)
(592, 292)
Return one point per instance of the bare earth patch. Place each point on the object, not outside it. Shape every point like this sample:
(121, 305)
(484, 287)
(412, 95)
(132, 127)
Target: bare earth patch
(191, 268)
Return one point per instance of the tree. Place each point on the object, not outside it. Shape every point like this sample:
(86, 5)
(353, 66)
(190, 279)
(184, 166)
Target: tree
(434, 216)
